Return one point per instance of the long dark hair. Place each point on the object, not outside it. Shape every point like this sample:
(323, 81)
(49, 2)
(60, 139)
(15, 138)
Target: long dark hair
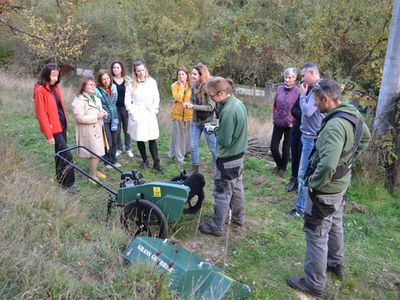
(123, 69)
(204, 77)
(44, 77)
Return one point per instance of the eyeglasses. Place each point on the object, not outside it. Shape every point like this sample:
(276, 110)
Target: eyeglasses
(318, 86)
(212, 96)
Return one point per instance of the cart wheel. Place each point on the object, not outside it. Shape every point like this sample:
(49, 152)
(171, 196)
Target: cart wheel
(194, 203)
(144, 218)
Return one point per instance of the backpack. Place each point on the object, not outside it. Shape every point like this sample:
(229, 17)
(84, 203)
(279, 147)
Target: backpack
(344, 169)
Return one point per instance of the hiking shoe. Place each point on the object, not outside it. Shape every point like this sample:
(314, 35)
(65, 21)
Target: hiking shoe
(195, 169)
(292, 186)
(72, 190)
(118, 153)
(117, 165)
(294, 213)
(206, 228)
(130, 154)
(235, 222)
(238, 223)
(144, 164)
(336, 270)
(158, 168)
(281, 173)
(300, 284)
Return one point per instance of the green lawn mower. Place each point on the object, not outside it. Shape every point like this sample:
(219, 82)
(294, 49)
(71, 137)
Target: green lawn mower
(147, 207)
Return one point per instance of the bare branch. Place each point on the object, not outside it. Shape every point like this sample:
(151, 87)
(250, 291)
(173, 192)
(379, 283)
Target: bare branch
(356, 66)
(61, 9)
(12, 27)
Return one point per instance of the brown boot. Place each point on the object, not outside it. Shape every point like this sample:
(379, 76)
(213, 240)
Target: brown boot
(195, 169)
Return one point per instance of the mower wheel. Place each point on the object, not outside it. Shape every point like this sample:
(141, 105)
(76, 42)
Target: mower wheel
(142, 217)
(194, 203)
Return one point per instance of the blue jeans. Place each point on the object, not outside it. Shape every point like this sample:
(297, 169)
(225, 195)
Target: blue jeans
(308, 145)
(195, 135)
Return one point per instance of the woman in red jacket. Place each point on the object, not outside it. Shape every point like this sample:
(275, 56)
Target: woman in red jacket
(53, 122)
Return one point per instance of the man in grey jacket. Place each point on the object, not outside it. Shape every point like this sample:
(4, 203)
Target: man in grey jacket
(311, 119)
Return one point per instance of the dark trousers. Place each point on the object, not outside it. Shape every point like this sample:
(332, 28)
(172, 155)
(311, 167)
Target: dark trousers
(64, 172)
(123, 118)
(295, 147)
(153, 151)
(281, 160)
(112, 143)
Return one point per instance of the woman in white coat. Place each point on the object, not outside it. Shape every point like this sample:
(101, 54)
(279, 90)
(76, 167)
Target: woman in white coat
(142, 101)
(88, 115)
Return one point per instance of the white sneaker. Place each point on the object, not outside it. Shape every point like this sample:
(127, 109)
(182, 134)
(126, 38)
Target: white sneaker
(118, 153)
(130, 154)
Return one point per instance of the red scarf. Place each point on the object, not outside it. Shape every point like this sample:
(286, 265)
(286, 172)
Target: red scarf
(108, 91)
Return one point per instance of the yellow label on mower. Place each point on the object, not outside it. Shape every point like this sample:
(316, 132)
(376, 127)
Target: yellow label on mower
(156, 191)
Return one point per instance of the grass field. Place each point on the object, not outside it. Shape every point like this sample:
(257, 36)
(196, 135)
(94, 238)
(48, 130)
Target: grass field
(54, 246)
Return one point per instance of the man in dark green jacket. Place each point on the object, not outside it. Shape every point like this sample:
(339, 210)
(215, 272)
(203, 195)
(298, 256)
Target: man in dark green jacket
(343, 137)
(231, 145)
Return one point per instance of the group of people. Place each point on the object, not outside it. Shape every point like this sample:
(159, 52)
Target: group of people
(323, 135)
(298, 121)
(104, 107)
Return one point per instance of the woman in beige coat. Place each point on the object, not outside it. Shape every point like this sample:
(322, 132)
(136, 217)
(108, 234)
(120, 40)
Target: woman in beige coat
(89, 114)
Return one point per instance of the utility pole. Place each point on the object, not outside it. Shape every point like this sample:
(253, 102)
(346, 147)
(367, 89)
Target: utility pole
(390, 91)
(390, 85)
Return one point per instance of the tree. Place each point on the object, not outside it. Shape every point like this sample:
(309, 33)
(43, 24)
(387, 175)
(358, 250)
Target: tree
(388, 102)
(60, 40)
(51, 34)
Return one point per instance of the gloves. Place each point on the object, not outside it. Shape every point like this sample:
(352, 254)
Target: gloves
(114, 124)
(210, 128)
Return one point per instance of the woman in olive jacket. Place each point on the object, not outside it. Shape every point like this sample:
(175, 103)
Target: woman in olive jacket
(203, 112)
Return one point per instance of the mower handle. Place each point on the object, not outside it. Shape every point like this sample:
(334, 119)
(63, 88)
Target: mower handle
(58, 154)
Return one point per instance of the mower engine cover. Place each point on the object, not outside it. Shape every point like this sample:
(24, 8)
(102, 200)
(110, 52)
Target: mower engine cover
(190, 276)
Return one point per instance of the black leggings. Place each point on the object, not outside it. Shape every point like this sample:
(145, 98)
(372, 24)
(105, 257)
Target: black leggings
(277, 133)
(64, 172)
(153, 151)
(295, 147)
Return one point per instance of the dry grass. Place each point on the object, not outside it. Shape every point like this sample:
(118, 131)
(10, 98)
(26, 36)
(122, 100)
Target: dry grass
(260, 129)
(52, 247)
(55, 246)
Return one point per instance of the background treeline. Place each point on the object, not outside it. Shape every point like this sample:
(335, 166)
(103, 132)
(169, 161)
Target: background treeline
(251, 41)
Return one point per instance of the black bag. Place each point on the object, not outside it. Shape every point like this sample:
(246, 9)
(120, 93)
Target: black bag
(204, 115)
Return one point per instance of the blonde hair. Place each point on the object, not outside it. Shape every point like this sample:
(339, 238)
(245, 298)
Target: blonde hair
(135, 79)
